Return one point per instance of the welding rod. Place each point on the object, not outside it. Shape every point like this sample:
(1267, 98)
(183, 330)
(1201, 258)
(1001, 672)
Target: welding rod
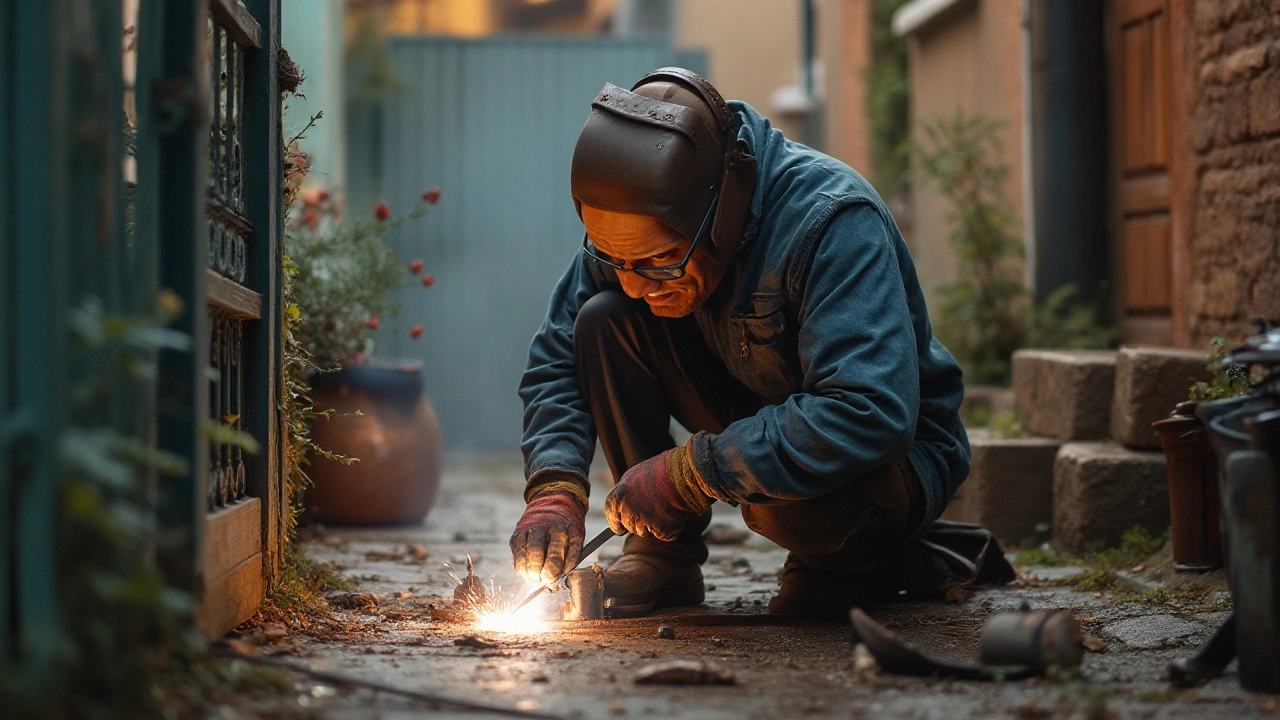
(587, 550)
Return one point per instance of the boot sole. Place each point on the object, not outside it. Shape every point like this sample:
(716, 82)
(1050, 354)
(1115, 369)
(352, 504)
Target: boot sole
(692, 594)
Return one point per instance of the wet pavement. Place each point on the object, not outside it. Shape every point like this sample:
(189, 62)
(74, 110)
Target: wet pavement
(782, 669)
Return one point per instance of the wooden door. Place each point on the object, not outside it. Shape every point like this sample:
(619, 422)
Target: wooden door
(1142, 83)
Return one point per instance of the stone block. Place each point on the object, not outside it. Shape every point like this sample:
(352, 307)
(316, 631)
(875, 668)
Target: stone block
(1065, 394)
(1010, 486)
(1149, 382)
(1100, 490)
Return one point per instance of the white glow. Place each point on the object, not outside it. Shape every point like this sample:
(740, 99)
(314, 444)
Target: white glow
(527, 621)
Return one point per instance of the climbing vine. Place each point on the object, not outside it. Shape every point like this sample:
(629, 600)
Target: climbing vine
(888, 90)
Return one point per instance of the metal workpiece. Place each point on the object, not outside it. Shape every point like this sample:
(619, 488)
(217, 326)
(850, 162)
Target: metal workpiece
(1039, 640)
(586, 594)
(1253, 511)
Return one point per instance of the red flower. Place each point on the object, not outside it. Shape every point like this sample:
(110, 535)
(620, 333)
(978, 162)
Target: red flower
(373, 321)
(415, 331)
(415, 267)
(311, 218)
(323, 195)
(427, 280)
(382, 212)
(432, 196)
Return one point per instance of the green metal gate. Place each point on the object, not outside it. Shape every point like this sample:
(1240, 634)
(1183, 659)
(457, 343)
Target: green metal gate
(111, 192)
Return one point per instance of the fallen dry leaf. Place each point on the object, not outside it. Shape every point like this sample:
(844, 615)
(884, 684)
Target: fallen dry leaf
(865, 667)
(240, 647)
(404, 594)
(351, 600)
(1095, 645)
(685, 672)
(475, 641)
(384, 555)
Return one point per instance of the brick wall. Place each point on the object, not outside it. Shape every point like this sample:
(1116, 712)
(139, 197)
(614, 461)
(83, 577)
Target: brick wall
(1235, 254)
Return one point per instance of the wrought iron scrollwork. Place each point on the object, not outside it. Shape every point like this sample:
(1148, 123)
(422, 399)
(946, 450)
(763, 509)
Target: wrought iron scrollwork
(227, 481)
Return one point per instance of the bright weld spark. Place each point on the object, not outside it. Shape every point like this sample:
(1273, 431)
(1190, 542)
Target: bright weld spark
(495, 611)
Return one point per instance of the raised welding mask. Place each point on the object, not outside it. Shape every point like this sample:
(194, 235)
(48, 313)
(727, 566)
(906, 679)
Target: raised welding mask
(665, 149)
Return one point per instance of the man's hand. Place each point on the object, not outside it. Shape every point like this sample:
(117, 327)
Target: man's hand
(549, 535)
(657, 497)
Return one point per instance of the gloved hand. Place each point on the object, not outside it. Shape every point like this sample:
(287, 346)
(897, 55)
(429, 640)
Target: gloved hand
(549, 535)
(657, 497)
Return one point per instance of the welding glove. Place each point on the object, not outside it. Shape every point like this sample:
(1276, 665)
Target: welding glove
(657, 497)
(548, 537)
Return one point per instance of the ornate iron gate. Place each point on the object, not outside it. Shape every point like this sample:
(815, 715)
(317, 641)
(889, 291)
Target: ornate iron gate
(196, 211)
(242, 491)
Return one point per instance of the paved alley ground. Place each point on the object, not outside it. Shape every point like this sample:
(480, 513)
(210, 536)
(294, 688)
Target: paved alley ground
(782, 670)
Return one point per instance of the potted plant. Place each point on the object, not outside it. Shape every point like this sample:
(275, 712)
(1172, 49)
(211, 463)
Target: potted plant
(1194, 499)
(379, 437)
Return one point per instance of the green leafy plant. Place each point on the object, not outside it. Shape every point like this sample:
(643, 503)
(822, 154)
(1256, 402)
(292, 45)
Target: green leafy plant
(122, 627)
(337, 280)
(342, 274)
(888, 106)
(1007, 426)
(1225, 380)
(987, 313)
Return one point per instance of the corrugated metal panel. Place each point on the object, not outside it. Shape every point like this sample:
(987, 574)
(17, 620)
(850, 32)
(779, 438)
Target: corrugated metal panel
(492, 122)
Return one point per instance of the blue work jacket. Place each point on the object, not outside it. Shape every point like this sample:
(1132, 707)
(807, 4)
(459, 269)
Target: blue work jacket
(826, 322)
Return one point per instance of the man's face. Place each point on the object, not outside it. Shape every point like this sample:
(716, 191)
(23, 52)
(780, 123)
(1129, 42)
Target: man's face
(640, 240)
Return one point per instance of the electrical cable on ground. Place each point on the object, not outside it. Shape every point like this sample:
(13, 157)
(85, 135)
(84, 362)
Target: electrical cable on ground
(418, 695)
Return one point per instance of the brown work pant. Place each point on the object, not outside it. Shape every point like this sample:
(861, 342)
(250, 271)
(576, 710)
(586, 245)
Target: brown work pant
(637, 371)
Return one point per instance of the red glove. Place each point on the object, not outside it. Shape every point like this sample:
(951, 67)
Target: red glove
(548, 537)
(657, 497)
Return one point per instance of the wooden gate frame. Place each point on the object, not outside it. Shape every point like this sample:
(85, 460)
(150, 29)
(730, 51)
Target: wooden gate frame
(244, 541)
(227, 558)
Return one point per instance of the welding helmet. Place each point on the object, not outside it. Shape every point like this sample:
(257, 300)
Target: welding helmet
(666, 148)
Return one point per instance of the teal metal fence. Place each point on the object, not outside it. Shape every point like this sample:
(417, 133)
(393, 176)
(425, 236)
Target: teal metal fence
(493, 123)
(77, 231)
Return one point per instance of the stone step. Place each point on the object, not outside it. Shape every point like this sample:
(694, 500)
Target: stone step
(1010, 486)
(1102, 489)
(1065, 394)
(1149, 382)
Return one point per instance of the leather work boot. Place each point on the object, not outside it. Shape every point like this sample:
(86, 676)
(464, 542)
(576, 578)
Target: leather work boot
(808, 592)
(639, 583)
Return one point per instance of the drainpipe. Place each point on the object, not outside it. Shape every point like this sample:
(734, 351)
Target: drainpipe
(1028, 161)
(808, 49)
(1069, 147)
(814, 125)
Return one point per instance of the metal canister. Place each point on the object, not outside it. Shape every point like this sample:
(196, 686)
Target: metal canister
(586, 594)
(1040, 640)
(1194, 505)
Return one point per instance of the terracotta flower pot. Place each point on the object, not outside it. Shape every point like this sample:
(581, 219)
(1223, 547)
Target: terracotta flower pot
(395, 436)
(1194, 502)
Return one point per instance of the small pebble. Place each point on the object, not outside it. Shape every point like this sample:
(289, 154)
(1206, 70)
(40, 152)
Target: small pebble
(666, 632)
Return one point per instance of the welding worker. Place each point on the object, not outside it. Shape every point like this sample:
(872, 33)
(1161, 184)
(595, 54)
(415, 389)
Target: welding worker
(758, 292)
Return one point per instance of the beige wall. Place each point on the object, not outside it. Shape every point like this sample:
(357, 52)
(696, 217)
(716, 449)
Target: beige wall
(753, 47)
(970, 59)
(845, 48)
